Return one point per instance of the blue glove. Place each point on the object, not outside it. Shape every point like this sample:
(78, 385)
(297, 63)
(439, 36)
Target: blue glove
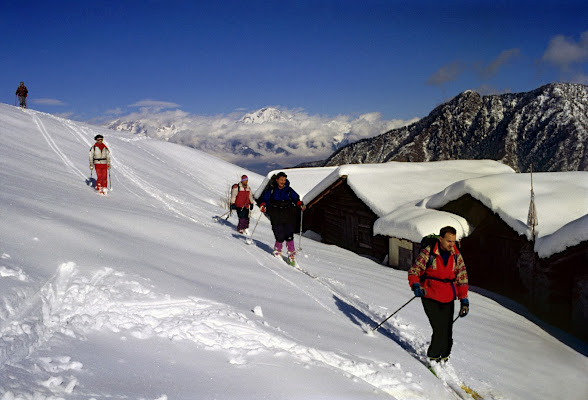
(233, 206)
(251, 206)
(465, 307)
(418, 290)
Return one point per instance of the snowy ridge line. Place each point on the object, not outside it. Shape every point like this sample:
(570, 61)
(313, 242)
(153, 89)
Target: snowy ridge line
(75, 305)
(56, 148)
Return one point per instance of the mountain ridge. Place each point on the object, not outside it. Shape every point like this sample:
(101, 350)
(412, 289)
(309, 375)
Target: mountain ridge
(546, 128)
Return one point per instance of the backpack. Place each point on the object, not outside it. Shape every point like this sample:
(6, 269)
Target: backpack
(269, 186)
(430, 241)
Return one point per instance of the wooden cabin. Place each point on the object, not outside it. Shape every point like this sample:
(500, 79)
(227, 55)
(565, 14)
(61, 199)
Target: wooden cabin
(500, 260)
(342, 219)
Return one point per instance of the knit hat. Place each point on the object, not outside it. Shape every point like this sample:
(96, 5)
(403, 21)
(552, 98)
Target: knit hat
(98, 137)
(244, 178)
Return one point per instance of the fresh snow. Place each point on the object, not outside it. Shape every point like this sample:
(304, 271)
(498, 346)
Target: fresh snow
(140, 294)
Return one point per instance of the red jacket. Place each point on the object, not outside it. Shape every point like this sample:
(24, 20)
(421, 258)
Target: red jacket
(241, 196)
(441, 282)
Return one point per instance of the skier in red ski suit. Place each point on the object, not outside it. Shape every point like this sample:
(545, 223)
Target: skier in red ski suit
(100, 160)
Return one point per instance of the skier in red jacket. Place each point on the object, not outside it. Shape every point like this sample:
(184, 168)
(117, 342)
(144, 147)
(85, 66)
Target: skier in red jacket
(242, 200)
(439, 276)
(100, 160)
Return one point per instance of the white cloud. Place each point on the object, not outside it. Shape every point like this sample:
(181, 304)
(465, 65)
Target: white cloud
(564, 51)
(446, 73)
(48, 102)
(503, 58)
(291, 137)
(114, 111)
(154, 105)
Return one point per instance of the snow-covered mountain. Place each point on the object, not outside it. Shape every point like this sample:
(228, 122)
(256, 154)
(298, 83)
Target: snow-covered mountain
(267, 114)
(268, 138)
(141, 295)
(546, 128)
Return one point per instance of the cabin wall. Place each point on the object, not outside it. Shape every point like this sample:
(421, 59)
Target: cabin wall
(342, 219)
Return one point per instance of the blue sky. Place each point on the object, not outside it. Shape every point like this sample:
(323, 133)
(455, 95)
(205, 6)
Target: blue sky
(89, 59)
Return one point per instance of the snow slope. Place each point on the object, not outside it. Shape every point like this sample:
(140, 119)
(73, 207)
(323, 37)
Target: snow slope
(141, 295)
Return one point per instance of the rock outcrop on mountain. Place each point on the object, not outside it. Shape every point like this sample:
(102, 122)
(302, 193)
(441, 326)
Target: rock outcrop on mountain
(546, 128)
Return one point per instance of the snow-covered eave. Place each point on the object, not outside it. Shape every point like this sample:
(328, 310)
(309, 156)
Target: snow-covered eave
(412, 223)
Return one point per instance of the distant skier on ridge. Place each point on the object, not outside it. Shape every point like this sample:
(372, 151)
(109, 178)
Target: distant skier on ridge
(439, 276)
(22, 93)
(281, 201)
(100, 160)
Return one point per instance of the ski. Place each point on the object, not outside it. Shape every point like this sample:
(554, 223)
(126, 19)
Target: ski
(296, 266)
(454, 383)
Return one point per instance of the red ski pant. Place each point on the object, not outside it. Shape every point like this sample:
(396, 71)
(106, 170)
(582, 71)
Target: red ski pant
(101, 176)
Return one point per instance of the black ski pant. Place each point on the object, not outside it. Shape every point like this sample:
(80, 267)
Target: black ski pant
(441, 319)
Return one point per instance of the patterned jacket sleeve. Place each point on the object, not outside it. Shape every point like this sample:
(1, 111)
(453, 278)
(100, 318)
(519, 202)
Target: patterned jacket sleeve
(461, 278)
(419, 267)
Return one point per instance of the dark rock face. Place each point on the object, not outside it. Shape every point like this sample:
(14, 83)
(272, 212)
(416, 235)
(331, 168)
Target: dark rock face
(546, 128)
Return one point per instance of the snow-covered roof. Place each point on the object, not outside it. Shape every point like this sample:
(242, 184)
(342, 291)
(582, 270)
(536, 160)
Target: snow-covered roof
(302, 180)
(561, 201)
(385, 187)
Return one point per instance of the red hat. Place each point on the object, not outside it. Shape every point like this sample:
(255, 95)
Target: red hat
(244, 178)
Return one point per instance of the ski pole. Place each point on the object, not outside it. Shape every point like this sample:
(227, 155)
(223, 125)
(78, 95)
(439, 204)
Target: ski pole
(390, 316)
(300, 237)
(217, 218)
(109, 180)
(255, 227)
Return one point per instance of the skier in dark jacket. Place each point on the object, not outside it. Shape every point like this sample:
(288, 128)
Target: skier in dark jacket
(281, 202)
(22, 93)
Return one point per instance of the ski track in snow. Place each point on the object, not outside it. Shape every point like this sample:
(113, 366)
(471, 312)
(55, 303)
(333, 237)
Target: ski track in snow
(74, 305)
(402, 333)
(156, 193)
(56, 148)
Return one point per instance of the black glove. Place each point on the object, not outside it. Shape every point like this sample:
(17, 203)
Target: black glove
(233, 206)
(465, 307)
(418, 290)
(251, 206)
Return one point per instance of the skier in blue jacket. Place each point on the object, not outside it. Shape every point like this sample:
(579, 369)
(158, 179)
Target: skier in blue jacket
(281, 202)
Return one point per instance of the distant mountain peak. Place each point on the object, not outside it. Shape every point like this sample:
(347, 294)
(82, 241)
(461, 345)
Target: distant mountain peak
(266, 114)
